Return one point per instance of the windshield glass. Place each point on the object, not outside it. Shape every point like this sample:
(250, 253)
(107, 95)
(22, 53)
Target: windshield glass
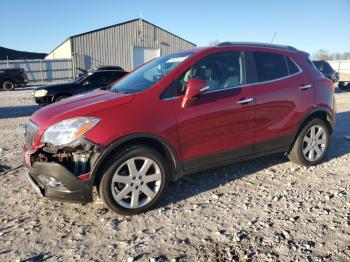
(149, 74)
(82, 78)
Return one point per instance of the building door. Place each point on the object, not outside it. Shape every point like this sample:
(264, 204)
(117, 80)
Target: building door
(142, 55)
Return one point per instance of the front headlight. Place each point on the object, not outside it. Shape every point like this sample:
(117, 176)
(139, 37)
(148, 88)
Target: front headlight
(40, 93)
(68, 130)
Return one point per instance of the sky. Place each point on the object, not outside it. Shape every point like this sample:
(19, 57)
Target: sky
(309, 25)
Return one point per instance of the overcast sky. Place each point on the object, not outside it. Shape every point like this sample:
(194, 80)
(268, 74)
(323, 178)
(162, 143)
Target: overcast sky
(309, 25)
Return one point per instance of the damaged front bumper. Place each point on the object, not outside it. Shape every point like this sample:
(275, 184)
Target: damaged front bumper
(62, 173)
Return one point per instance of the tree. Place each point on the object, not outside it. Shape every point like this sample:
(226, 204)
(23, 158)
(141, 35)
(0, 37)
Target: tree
(321, 54)
(214, 43)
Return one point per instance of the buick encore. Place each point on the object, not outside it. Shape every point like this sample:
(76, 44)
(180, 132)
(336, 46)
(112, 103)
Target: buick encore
(176, 115)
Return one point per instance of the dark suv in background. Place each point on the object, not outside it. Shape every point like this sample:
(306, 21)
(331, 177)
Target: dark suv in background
(99, 68)
(177, 115)
(10, 78)
(325, 68)
(48, 94)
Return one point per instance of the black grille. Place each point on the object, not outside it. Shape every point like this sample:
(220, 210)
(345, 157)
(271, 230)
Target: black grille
(30, 132)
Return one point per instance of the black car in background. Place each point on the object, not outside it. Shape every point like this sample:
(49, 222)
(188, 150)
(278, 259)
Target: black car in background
(99, 68)
(10, 78)
(48, 94)
(325, 68)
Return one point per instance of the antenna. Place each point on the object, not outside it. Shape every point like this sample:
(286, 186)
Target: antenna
(273, 38)
(141, 14)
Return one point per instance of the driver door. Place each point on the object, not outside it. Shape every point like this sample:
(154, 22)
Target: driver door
(219, 126)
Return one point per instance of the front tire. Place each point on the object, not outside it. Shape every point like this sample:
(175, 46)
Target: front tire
(8, 85)
(59, 98)
(311, 145)
(135, 180)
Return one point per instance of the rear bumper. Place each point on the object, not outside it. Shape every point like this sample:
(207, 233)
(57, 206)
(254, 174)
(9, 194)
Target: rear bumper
(55, 182)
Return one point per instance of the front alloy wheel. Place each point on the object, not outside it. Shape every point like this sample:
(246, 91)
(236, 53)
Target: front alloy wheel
(134, 181)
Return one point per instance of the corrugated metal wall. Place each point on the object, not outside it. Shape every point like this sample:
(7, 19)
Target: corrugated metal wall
(41, 70)
(114, 45)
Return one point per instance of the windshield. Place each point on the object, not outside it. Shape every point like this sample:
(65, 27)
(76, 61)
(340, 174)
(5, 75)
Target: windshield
(82, 78)
(149, 74)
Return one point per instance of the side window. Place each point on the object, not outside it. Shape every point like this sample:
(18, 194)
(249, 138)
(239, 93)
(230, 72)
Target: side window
(292, 68)
(220, 71)
(111, 77)
(270, 66)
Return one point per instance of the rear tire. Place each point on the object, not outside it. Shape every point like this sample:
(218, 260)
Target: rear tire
(311, 145)
(8, 85)
(135, 180)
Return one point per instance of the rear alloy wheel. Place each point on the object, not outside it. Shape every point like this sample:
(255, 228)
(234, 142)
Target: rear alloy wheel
(8, 85)
(135, 182)
(311, 144)
(314, 143)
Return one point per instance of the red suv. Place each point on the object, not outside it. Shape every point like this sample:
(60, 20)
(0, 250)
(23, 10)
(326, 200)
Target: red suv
(176, 115)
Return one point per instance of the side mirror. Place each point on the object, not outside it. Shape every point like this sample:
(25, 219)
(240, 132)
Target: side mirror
(86, 83)
(194, 88)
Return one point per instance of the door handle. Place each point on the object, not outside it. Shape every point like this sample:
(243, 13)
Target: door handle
(305, 87)
(246, 101)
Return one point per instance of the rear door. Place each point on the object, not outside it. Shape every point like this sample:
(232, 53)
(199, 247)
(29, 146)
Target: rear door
(283, 94)
(219, 126)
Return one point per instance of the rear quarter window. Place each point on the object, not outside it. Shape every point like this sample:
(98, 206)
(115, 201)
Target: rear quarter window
(292, 68)
(270, 66)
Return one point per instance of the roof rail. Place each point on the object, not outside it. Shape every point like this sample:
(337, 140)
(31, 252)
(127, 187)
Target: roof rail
(282, 47)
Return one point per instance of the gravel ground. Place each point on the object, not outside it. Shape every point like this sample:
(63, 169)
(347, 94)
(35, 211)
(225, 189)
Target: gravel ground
(267, 209)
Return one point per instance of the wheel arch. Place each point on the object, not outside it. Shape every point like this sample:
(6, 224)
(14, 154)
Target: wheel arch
(321, 113)
(55, 96)
(150, 140)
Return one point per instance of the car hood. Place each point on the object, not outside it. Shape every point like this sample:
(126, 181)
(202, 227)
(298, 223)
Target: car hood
(79, 105)
(55, 86)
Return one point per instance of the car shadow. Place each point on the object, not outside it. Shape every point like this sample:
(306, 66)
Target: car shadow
(4, 168)
(338, 90)
(191, 185)
(198, 183)
(38, 258)
(17, 111)
(340, 140)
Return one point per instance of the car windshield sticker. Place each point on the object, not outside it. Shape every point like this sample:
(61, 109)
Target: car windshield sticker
(177, 59)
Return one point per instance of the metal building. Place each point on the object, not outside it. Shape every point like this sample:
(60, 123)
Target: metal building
(127, 44)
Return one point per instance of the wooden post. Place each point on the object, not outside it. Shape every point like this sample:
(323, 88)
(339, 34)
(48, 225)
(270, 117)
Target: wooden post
(41, 71)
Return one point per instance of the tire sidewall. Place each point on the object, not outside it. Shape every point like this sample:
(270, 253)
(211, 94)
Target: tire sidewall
(114, 163)
(300, 139)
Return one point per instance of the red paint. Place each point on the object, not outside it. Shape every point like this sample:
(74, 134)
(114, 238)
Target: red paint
(214, 123)
(85, 176)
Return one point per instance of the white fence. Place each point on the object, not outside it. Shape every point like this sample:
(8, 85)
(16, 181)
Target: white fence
(343, 67)
(43, 70)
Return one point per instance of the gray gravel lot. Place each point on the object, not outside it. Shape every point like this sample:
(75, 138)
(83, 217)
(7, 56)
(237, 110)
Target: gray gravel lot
(267, 209)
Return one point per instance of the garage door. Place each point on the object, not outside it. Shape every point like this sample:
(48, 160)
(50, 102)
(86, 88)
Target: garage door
(142, 55)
